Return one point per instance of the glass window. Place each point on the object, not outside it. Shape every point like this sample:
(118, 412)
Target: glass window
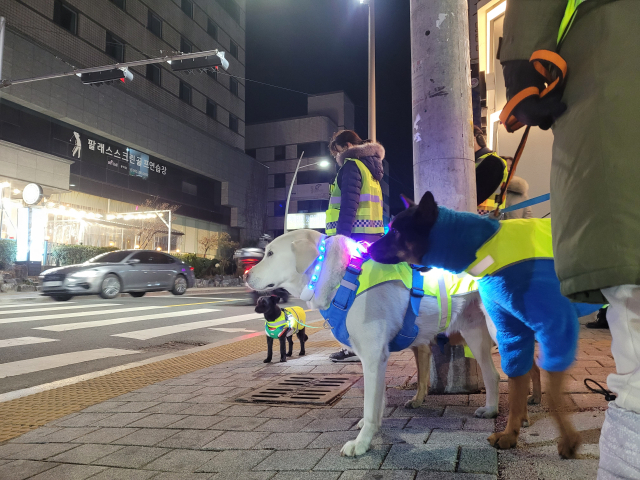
(189, 188)
(278, 209)
(154, 23)
(211, 109)
(118, 3)
(111, 257)
(315, 176)
(212, 29)
(187, 7)
(144, 257)
(213, 73)
(65, 16)
(314, 149)
(185, 45)
(231, 8)
(233, 123)
(185, 93)
(310, 206)
(279, 180)
(280, 152)
(233, 86)
(233, 49)
(114, 47)
(153, 73)
(252, 152)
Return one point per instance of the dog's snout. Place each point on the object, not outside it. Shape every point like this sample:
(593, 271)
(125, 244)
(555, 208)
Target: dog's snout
(271, 285)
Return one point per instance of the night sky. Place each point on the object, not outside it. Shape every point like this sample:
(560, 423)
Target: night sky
(317, 46)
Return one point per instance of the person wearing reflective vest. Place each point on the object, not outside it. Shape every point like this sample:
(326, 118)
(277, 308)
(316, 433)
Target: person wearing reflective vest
(594, 177)
(491, 173)
(356, 204)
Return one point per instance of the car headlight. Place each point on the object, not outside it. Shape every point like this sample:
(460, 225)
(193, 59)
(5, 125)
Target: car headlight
(85, 274)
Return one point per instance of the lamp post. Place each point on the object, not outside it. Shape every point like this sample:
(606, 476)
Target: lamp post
(372, 68)
(322, 163)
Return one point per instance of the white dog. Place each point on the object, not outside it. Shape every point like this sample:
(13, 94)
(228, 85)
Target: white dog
(374, 319)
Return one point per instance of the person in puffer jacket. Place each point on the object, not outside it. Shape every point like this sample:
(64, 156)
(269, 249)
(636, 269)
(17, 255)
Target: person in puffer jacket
(355, 208)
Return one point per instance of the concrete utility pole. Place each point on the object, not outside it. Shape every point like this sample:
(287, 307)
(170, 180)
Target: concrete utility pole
(443, 158)
(372, 70)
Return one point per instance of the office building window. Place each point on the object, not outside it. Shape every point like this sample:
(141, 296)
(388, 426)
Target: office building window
(211, 108)
(114, 47)
(153, 73)
(252, 152)
(314, 149)
(119, 3)
(187, 7)
(315, 176)
(65, 16)
(278, 209)
(232, 9)
(212, 29)
(189, 188)
(213, 73)
(233, 123)
(311, 206)
(280, 152)
(185, 93)
(279, 180)
(185, 45)
(154, 23)
(233, 86)
(233, 49)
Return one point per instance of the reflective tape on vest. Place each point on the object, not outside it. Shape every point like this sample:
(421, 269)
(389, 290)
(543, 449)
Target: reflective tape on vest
(569, 17)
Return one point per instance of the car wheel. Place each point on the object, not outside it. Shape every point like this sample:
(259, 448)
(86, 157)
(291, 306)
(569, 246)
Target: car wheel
(61, 298)
(179, 285)
(111, 287)
(137, 294)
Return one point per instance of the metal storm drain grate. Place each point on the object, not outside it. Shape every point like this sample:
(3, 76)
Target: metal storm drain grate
(306, 389)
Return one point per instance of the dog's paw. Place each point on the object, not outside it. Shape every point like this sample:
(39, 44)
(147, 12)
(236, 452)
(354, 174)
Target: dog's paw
(283, 360)
(486, 412)
(301, 354)
(525, 421)
(568, 446)
(534, 399)
(267, 360)
(503, 440)
(413, 403)
(361, 423)
(353, 448)
(289, 354)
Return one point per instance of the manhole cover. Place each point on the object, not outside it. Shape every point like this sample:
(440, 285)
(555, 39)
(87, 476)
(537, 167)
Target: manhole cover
(306, 389)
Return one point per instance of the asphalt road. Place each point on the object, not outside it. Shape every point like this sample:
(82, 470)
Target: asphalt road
(48, 341)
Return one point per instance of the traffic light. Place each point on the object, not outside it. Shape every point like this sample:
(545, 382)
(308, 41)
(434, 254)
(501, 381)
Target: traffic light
(106, 77)
(200, 63)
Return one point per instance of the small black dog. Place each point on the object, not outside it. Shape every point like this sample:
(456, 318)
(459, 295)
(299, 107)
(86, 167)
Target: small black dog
(281, 324)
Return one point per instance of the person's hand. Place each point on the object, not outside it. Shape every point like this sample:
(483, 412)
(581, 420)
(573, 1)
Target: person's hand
(534, 110)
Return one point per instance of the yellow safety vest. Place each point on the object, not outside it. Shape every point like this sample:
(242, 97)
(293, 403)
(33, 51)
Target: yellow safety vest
(489, 204)
(515, 241)
(369, 214)
(290, 321)
(569, 17)
(437, 283)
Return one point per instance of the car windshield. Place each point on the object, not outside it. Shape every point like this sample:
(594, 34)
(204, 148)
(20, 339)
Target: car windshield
(111, 257)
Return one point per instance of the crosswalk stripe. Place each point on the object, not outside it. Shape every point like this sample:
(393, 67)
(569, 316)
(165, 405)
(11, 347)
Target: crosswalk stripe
(233, 330)
(32, 365)
(22, 305)
(58, 316)
(114, 321)
(64, 307)
(185, 327)
(15, 342)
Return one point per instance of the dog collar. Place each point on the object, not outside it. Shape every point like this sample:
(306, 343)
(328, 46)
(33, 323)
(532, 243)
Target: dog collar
(316, 268)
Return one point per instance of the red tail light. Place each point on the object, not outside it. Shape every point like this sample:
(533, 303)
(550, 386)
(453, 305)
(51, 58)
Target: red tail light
(191, 268)
(247, 270)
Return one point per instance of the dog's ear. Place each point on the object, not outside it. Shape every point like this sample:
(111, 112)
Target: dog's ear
(407, 201)
(427, 209)
(306, 252)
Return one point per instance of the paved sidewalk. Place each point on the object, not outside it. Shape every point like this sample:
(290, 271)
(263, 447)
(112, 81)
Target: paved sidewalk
(190, 428)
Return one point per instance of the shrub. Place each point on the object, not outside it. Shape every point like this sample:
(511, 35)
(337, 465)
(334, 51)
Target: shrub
(201, 266)
(8, 249)
(75, 254)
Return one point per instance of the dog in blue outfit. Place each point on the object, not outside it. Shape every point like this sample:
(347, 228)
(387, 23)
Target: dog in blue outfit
(513, 261)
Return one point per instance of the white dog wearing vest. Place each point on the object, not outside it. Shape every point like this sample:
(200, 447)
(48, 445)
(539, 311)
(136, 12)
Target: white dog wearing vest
(374, 319)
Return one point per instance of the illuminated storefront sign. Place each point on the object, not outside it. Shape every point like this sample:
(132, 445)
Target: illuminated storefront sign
(296, 221)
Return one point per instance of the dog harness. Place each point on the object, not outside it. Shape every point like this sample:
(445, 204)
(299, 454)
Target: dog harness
(288, 323)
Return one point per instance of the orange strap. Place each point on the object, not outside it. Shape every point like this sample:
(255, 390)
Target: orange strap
(548, 64)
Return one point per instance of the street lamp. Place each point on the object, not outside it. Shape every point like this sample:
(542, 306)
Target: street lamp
(372, 68)
(324, 163)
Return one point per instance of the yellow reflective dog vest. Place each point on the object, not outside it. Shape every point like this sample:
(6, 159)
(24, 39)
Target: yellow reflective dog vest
(290, 321)
(437, 283)
(515, 241)
(369, 213)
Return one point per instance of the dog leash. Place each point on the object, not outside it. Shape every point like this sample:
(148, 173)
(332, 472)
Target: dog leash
(608, 396)
(527, 203)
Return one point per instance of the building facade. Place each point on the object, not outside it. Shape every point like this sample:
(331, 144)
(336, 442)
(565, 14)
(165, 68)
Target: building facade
(279, 145)
(162, 139)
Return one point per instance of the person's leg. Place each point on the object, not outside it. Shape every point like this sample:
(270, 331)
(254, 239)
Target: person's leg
(601, 320)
